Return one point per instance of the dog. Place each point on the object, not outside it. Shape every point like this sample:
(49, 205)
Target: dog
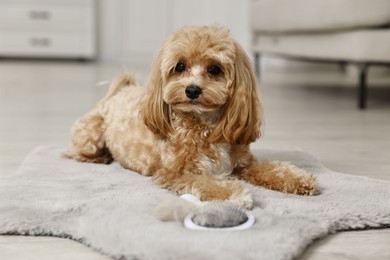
(191, 128)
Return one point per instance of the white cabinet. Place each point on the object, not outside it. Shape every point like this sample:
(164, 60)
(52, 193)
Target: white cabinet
(129, 31)
(47, 28)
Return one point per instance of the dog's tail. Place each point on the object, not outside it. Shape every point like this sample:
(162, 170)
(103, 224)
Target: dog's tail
(123, 80)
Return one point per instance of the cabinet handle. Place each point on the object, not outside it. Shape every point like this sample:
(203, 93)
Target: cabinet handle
(39, 15)
(40, 42)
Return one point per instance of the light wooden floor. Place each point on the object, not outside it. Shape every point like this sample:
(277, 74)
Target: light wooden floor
(314, 110)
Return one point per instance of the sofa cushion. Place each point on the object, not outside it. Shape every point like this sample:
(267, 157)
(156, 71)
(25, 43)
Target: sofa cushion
(314, 15)
(356, 46)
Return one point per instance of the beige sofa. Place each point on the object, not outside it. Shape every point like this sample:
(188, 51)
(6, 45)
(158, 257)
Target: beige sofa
(347, 31)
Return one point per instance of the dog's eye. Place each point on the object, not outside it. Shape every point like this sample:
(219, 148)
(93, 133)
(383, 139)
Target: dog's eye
(180, 67)
(214, 70)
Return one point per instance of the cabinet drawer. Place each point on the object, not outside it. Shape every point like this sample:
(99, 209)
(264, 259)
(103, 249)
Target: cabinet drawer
(45, 17)
(46, 45)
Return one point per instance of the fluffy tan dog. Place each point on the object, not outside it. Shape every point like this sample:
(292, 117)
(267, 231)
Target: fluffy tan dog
(191, 129)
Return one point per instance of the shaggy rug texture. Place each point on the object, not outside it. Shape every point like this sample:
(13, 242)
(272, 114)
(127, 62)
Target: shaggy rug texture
(111, 210)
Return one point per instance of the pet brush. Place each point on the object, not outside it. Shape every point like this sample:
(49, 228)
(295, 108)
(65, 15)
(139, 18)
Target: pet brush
(221, 215)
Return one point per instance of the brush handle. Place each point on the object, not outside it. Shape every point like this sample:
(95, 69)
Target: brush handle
(191, 198)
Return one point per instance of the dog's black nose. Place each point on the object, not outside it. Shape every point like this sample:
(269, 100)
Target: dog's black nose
(193, 91)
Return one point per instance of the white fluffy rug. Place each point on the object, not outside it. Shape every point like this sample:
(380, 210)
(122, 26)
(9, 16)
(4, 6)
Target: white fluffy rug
(110, 209)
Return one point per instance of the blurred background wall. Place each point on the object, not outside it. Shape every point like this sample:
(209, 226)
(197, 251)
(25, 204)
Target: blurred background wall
(132, 30)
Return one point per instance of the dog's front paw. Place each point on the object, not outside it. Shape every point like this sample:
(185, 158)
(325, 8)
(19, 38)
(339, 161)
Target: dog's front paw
(243, 198)
(306, 185)
(298, 181)
(227, 190)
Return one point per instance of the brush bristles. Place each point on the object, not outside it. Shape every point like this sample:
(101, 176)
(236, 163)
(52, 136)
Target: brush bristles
(219, 214)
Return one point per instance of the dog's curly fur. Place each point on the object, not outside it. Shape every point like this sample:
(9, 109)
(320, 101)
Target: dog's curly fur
(192, 127)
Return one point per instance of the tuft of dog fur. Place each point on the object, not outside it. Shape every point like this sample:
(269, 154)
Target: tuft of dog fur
(197, 145)
(173, 209)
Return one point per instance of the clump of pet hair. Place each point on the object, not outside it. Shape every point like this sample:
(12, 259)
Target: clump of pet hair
(174, 208)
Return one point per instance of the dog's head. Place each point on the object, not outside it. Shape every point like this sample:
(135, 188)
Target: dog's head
(202, 70)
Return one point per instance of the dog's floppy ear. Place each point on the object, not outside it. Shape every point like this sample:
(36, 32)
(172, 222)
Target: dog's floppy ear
(241, 120)
(154, 111)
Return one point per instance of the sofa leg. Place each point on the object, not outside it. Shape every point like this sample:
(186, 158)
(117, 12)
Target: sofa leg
(362, 91)
(257, 64)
